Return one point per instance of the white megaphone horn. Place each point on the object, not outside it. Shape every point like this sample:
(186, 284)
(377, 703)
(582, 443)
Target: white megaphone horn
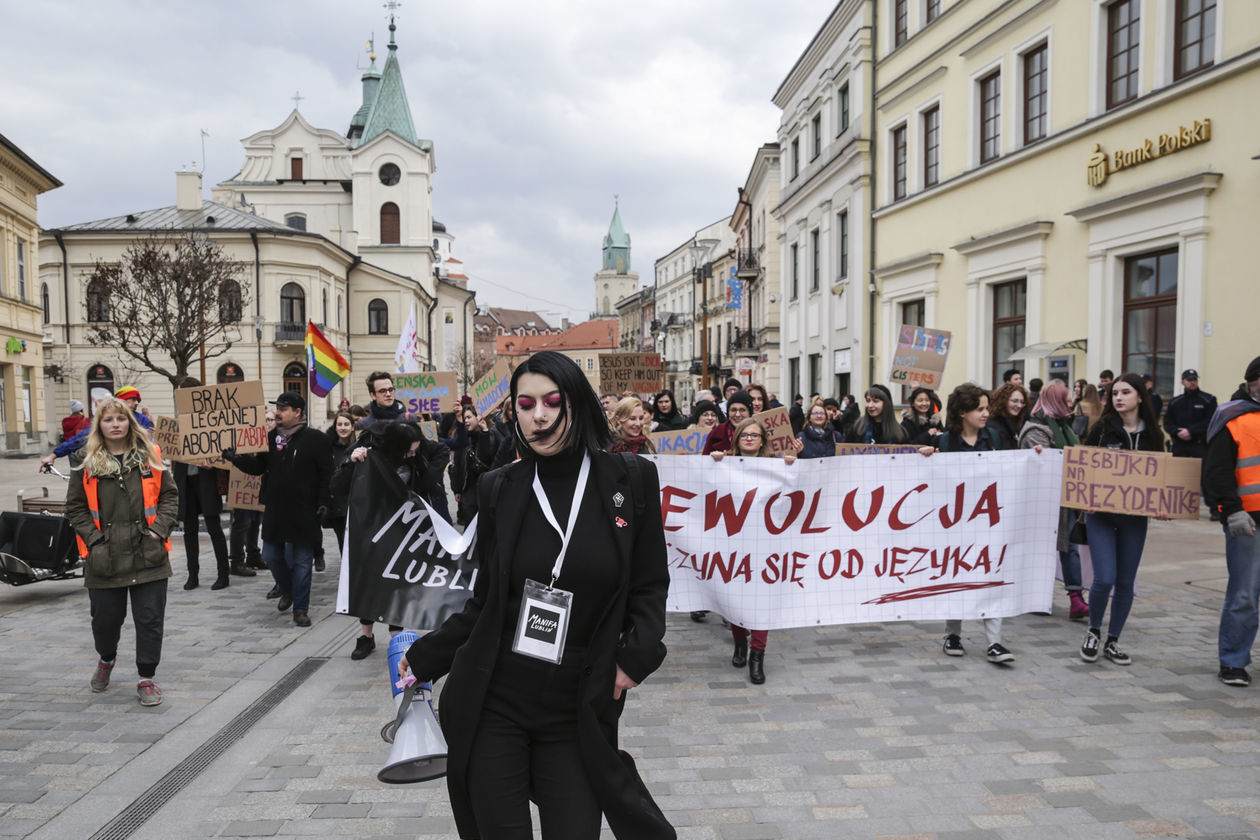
(418, 753)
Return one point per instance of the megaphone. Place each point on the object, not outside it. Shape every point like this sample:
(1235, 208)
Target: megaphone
(418, 753)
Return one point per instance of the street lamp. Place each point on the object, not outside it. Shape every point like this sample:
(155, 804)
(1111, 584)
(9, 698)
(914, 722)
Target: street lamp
(700, 250)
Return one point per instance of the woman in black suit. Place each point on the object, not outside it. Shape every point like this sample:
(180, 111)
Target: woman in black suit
(530, 712)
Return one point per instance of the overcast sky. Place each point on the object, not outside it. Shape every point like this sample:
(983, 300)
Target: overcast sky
(540, 112)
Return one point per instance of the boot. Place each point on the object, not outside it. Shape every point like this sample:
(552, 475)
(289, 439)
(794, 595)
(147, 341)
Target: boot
(740, 658)
(1079, 608)
(756, 669)
(256, 562)
(220, 583)
(240, 569)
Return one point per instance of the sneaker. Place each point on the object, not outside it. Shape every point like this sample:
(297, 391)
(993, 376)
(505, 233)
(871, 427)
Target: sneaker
(952, 646)
(1112, 651)
(362, 647)
(301, 619)
(149, 693)
(1079, 610)
(1089, 647)
(998, 654)
(286, 601)
(100, 680)
(1229, 676)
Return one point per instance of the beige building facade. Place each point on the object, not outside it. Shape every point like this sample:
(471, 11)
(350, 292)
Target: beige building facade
(1069, 187)
(757, 268)
(24, 303)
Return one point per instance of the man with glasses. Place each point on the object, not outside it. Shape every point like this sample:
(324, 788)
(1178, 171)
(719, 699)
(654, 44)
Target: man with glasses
(738, 409)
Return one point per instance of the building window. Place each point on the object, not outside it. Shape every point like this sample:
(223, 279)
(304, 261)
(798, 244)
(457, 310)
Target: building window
(389, 224)
(323, 299)
(933, 10)
(590, 363)
(899, 162)
(913, 314)
(991, 116)
(1195, 39)
(378, 317)
(796, 157)
(21, 266)
(229, 373)
(1010, 301)
(292, 305)
(816, 127)
(815, 266)
(1123, 20)
(97, 301)
(296, 221)
(1150, 317)
(295, 168)
(794, 256)
(844, 108)
(230, 301)
(338, 311)
(932, 146)
(44, 302)
(815, 373)
(794, 374)
(1036, 88)
(843, 224)
(901, 22)
(295, 379)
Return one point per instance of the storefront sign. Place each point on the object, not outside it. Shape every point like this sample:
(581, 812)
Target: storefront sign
(1101, 164)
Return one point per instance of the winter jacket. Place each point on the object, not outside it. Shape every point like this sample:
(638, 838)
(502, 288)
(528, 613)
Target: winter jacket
(1110, 432)
(1038, 432)
(818, 443)
(122, 552)
(669, 422)
(1220, 479)
(1003, 433)
(918, 433)
(295, 485)
(1191, 410)
(720, 438)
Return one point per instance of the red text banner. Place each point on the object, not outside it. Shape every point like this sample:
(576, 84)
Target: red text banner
(770, 545)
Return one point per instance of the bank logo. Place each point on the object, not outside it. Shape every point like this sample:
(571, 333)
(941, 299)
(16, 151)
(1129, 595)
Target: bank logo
(1096, 167)
(1101, 164)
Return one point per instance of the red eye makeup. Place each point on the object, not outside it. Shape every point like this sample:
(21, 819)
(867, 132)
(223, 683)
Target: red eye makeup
(552, 400)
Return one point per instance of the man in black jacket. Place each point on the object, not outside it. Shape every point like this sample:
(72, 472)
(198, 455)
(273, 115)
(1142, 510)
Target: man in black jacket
(1187, 417)
(296, 469)
(433, 456)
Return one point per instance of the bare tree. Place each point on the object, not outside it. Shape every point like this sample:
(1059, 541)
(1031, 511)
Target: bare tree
(469, 367)
(171, 303)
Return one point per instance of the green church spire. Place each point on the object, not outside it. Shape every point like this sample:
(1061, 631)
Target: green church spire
(617, 244)
(389, 111)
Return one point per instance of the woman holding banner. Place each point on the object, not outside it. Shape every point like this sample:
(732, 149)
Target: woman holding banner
(626, 423)
(1008, 407)
(567, 615)
(818, 439)
(1116, 540)
(706, 415)
(922, 419)
(878, 424)
(751, 440)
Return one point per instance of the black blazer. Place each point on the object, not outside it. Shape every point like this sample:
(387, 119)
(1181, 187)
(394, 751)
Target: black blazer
(629, 634)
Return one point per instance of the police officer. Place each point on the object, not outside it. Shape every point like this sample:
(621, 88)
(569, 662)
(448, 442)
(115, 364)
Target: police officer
(1187, 417)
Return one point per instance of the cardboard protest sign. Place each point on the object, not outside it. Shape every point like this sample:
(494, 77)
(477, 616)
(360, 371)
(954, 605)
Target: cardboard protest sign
(689, 441)
(217, 417)
(778, 428)
(166, 436)
(489, 390)
(430, 429)
(920, 357)
(1130, 481)
(427, 392)
(639, 373)
(876, 448)
(244, 490)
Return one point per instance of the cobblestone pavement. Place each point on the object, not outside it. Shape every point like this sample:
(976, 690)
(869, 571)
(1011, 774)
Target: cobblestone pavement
(860, 731)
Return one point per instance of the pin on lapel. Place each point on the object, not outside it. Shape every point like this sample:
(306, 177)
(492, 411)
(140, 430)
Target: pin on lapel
(618, 499)
(621, 523)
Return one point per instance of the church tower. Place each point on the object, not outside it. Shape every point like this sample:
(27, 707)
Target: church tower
(615, 280)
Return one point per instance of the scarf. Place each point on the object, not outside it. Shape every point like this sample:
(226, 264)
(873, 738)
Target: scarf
(283, 433)
(1060, 430)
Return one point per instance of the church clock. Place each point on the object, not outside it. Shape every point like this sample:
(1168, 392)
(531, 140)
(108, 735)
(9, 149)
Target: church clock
(390, 174)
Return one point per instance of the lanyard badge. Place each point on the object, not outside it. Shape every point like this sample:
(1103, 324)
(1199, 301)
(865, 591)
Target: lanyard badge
(543, 624)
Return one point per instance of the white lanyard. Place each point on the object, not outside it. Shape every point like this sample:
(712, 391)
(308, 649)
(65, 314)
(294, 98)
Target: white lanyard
(566, 534)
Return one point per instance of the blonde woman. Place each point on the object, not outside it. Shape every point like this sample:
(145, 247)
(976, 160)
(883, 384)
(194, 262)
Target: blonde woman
(627, 422)
(123, 505)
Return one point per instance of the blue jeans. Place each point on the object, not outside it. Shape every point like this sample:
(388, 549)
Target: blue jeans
(1070, 562)
(1239, 616)
(1115, 547)
(290, 565)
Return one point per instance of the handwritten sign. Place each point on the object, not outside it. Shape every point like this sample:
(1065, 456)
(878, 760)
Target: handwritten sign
(244, 490)
(778, 426)
(1130, 481)
(639, 373)
(427, 392)
(489, 390)
(689, 441)
(166, 436)
(430, 429)
(920, 357)
(215, 417)
(876, 449)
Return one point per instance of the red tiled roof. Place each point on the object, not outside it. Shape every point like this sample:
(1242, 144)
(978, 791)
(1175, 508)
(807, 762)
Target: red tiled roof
(588, 335)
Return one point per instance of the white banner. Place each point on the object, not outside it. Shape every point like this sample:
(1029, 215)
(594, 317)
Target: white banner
(840, 540)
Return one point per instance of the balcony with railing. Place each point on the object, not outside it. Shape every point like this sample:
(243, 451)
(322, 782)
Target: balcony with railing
(742, 340)
(286, 332)
(747, 264)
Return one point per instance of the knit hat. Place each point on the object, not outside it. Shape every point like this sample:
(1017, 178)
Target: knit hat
(75, 406)
(741, 397)
(701, 407)
(1253, 370)
(465, 400)
(831, 402)
(127, 392)
(732, 383)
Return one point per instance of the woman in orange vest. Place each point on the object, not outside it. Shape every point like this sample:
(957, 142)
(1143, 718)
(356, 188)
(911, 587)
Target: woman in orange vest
(123, 505)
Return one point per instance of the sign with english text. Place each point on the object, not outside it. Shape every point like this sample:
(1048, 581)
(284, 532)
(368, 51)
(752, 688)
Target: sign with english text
(771, 545)
(217, 417)
(920, 357)
(638, 373)
(244, 491)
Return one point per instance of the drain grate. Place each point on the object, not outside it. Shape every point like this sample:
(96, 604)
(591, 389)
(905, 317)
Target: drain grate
(139, 812)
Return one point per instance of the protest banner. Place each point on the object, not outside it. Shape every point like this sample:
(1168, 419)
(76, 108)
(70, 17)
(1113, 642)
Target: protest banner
(166, 436)
(404, 564)
(920, 357)
(1128, 481)
(489, 390)
(881, 538)
(638, 373)
(778, 426)
(430, 429)
(876, 449)
(217, 417)
(427, 392)
(244, 490)
(689, 441)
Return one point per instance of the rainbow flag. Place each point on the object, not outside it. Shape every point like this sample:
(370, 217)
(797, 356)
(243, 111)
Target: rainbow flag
(327, 367)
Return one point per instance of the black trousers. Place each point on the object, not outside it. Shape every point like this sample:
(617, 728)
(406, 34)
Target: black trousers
(526, 748)
(202, 500)
(244, 536)
(148, 613)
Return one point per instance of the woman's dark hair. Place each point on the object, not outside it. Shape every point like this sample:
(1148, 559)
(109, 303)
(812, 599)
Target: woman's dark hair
(396, 439)
(765, 395)
(966, 397)
(588, 427)
(673, 406)
(348, 416)
(1146, 412)
(890, 430)
(935, 404)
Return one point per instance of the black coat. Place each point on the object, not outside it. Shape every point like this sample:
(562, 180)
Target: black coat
(1191, 410)
(1109, 432)
(629, 635)
(295, 485)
